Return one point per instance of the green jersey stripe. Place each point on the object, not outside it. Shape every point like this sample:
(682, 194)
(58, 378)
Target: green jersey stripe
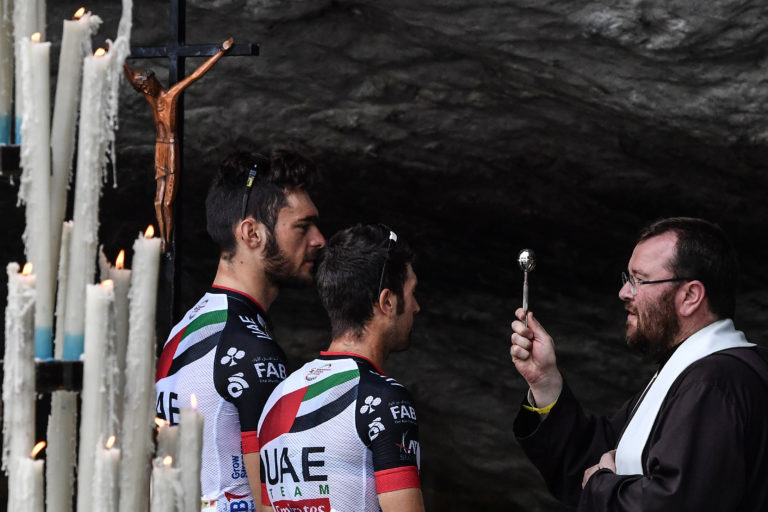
(334, 380)
(209, 318)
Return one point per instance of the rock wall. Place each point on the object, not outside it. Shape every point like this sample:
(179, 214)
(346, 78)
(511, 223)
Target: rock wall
(474, 129)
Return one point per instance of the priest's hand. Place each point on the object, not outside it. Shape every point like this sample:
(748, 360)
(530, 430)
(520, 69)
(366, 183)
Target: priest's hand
(533, 353)
(607, 461)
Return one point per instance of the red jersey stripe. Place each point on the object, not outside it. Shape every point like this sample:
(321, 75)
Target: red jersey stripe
(388, 480)
(250, 441)
(265, 495)
(166, 357)
(280, 417)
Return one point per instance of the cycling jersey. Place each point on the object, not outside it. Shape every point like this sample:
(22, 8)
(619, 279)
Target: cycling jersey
(334, 435)
(222, 352)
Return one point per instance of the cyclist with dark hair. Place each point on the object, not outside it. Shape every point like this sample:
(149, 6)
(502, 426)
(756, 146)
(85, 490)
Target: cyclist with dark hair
(261, 216)
(338, 434)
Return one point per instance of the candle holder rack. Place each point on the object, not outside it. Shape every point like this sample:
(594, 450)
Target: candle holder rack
(58, 376)
(9, 160)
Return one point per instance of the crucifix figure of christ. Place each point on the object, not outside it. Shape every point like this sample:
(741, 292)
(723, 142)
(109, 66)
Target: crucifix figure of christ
(167, 156)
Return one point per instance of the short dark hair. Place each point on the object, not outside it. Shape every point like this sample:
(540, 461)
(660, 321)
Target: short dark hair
(283, 170)
(703, 252)
(349, 272)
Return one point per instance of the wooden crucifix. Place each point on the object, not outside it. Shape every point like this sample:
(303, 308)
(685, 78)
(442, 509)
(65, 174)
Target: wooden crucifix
(176, 51)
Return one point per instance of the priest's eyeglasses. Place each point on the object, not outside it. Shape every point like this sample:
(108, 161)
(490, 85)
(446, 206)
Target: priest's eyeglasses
(634, 282)
(392, 238)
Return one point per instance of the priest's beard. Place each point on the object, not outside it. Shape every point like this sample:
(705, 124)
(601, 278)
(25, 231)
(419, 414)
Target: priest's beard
(657, 327)
(278, 267)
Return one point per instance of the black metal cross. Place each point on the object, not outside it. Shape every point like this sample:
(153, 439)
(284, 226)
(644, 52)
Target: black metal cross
(176, 52)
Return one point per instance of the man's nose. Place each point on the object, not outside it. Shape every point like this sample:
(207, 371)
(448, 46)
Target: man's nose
(625, 292)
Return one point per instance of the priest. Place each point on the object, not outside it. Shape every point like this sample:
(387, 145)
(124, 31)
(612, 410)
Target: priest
(696, 438)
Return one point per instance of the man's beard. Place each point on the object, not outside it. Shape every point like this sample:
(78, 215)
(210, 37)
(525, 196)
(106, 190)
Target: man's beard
(657, 327)
(278, 267)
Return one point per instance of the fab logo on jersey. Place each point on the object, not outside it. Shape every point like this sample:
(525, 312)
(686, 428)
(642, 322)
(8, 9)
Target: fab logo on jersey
(270, 369)
(402, 412)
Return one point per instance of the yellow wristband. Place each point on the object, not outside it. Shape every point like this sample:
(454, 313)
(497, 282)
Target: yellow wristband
(540, 410)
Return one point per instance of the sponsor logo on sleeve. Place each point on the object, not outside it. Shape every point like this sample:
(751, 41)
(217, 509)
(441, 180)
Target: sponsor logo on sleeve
(374, 428)
(198, 307)
(233, 355)
(370, 403)
(236, 385)
(389, 380)
(402, 412)
(317, 371)
(253, 326)
(409, 448)
(269, 369)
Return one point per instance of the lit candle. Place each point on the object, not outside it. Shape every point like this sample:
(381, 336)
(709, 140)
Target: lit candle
(105, 477)
(167, 439)
(165, 486)
(30, 482)
(28, 18)
(139, 406)
(18, 371)
(6, 72)
(75, 42)
(190, 455)
(91, 147)
(36, 182)
(122, 278)
(97, 410)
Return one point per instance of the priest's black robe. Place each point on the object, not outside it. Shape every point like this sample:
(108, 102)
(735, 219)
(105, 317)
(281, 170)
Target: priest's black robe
(707, 450)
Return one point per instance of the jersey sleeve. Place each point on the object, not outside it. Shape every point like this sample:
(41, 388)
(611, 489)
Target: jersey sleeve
(247, 367)
(386, 423)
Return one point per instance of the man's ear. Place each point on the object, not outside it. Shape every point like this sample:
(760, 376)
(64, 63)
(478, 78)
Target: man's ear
(252, 233)
(388, 302)
(692, 296)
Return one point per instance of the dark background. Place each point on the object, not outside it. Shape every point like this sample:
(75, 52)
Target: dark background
(474, 129)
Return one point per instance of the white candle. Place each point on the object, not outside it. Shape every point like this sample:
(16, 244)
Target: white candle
(30, 482)
(139, 406)
(61, 289)
(167, 439)
(190, 455)
(62, 422)
(6, 72)
(62, 445)
(36, 182)
(166, 487)
(28, 18)
(75, 43)
(96, 396)
(105, 477)
(18, 371)
(91, 147)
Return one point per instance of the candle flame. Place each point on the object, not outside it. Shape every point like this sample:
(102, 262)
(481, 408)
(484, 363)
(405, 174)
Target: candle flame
(100, 52)
(37, 449)
(35, 37)
(193, 400)
(79, 13)
(120, 261)
(160, 422)
(167, 460)
(107, 282)
(150, 232)
(110, 442)
(27, 270)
